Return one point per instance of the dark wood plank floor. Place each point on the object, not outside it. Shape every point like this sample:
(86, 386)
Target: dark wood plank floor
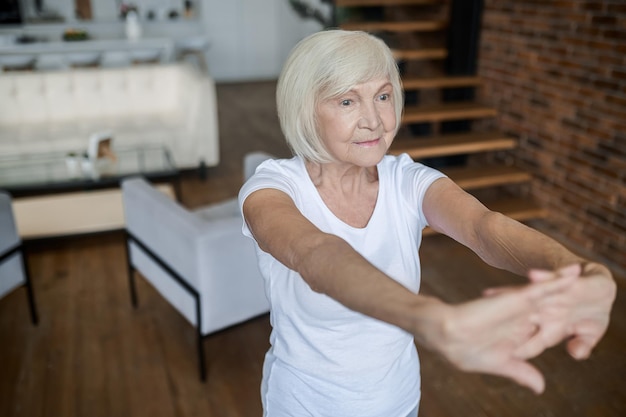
(93, 355)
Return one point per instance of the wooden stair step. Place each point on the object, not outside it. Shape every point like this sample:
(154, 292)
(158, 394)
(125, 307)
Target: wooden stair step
(452, 144)
(416, 83)
(419, 54)
(471, 178)
(516, 208)
(459, 110)
(408, 26)
(357, 3)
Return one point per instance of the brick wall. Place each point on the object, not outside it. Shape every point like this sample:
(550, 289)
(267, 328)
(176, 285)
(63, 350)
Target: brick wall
(556, 72)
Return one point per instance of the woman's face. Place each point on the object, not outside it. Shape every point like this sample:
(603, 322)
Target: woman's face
(358, 126)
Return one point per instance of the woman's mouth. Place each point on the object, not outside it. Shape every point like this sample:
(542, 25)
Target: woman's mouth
(368, 143)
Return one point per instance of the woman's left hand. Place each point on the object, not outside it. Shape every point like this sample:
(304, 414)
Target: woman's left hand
(581, 313)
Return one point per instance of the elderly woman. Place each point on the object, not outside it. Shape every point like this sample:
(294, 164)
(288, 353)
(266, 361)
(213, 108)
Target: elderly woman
(338, 228)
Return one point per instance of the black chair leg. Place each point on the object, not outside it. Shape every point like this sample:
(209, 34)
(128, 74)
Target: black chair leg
(201, 360)
(29, 291)
(131, 274)
(133, 288)
(202, 170)
(180, 280)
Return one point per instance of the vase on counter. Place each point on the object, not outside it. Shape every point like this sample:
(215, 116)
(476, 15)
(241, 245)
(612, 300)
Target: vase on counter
(133, 28)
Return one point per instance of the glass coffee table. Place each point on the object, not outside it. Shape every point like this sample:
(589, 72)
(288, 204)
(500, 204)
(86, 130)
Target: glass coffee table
(57, 195)
(53, 172)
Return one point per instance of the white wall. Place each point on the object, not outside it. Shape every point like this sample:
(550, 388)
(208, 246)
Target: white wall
(250, 39)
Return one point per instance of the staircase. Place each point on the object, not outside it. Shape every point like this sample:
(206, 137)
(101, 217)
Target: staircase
(441, 124)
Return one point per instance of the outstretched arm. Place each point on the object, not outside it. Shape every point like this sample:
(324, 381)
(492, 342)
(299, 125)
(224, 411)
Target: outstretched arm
(482, 335)
(581, 312)
(499, 240)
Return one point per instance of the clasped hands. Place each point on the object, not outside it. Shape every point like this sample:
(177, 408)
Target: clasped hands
(498, 333)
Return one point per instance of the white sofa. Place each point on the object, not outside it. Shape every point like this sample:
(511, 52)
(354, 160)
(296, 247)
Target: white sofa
(169, 104)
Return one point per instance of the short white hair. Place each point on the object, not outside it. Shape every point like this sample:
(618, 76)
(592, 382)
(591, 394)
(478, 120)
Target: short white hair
(326, 65)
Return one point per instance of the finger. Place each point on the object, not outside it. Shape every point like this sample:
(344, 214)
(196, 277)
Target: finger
(491, 292)
(545, 288)
(537, 276)
(574, 269)
(523, 373)
(541, 275)
(543, 339)
(531, 348)
(588, 334)
(579, 348)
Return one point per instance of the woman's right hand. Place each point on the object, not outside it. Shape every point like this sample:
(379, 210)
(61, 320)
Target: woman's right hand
(484, 335)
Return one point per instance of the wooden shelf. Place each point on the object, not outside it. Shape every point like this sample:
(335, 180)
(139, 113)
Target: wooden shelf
(419, 83)
(419, 54)
(357, 3)
(459, 143)
(413, 26)
(471, 178)
(440, 112)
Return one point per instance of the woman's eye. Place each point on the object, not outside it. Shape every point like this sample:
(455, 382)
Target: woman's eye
(346, 102)
(384, 97)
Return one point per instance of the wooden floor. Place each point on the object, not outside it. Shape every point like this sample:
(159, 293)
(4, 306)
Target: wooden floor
(93, 355)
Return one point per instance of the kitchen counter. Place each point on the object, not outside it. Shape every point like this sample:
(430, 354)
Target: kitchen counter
(165, 45)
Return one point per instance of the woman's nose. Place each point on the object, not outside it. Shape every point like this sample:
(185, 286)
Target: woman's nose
(370, 118)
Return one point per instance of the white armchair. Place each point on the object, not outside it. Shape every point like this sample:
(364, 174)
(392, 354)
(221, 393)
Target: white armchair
(13, 267)
(199, 261)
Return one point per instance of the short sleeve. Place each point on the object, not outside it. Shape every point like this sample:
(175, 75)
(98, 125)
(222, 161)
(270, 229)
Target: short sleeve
(416, 178)
(270, 174)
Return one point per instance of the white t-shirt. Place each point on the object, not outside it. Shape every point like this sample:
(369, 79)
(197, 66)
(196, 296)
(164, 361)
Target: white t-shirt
(325, 359)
